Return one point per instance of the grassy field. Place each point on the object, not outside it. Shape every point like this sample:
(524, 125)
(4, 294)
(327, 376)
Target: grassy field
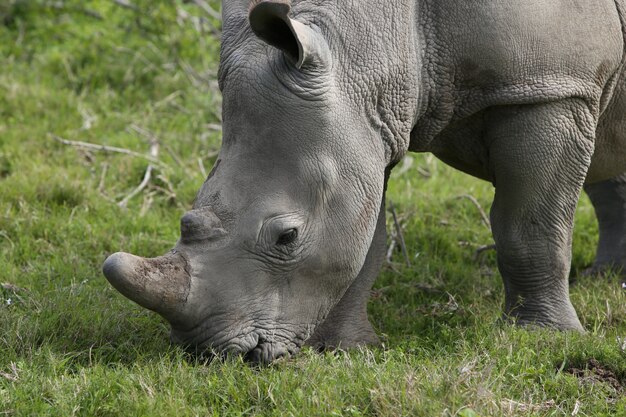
(127, 76)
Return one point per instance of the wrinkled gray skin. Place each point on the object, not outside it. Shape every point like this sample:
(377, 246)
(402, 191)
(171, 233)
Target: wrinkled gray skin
(322, 98)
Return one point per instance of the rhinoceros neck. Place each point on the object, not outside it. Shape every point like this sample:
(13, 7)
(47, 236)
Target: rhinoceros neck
(377, 45)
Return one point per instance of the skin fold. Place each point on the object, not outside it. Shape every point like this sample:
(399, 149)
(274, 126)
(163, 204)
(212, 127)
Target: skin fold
(322, 98)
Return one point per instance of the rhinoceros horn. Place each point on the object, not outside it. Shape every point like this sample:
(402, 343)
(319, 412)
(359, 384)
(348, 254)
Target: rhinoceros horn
(159, 284)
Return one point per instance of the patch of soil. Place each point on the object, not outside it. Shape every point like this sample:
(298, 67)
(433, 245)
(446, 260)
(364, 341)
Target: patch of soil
(594, 372)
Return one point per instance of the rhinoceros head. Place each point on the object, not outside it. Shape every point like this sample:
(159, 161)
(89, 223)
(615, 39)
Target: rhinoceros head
(282, 225)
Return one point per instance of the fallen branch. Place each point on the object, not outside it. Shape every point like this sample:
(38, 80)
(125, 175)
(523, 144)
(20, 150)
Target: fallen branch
(424, 172)
(126, 4)
(143, 132)
(194, 77)
(405, 166)
(144, 183)
(392, 247)
(199, 23)
(59, 5)
(399, 234)
(11, 287)
(212, 154)
(208, 9)
(214, 126)
(6, 236)
(175, 157)
(482, 249)
(169, 191)
(483, 215)
(147, 203)
(105, 148)
(202, 169)
(512, 407)
(154, 153)
(13, 374)
(103, 174)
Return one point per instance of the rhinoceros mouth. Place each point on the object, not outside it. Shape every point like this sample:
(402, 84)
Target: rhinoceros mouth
(268, 352)
(258, 346)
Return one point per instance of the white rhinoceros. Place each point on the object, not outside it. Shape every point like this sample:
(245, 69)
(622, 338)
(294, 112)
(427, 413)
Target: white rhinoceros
(323, 97)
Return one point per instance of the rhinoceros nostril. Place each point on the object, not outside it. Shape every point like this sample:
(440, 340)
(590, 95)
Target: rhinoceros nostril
(254, 356)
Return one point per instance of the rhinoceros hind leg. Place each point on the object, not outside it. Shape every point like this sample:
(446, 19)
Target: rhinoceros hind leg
(347, 324)
(609, 201)
(539, 155)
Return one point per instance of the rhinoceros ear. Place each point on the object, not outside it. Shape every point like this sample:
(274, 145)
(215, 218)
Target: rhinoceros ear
(270, 21)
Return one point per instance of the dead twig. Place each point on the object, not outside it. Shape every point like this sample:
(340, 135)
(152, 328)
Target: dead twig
(13, 374)
(483, 215)
(202, 169)
(4, 235)
(140, 187)
(126, 4)
(399, 234)
(157, 188)
(154, 153)
(194, 77)
(88, 118)
(105, 168)
(175, 157)
(482, 249)
(405, 166)
(143, 132)
(212, 154)
(147, 203)
(214, 126)
(168, 190)
(105, 148)
(168, 99)
(392, 247)
(169, 185)
(424, 172)
(103, 174)
(208, 9)
(11, 287)
(59, 5)
(199, 23)
(513, 407)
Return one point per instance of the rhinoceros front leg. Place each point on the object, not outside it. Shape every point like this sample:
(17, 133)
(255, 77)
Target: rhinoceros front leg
(539, 155)
(347, 324)
(609, 201)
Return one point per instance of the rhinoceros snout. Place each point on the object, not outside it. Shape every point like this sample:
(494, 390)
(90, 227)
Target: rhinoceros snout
(159, 284)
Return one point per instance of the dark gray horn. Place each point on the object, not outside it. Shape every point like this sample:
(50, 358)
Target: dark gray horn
(159, 284)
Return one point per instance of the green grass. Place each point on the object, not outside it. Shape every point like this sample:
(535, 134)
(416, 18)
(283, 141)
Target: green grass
(71, 345)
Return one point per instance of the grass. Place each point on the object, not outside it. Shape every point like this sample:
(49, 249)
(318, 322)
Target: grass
(98, 72)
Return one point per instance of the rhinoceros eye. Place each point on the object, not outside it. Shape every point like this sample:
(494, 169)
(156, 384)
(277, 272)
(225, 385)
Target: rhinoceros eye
(287, 237)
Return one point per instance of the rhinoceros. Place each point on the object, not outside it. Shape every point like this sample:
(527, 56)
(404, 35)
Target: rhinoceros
(321, 98)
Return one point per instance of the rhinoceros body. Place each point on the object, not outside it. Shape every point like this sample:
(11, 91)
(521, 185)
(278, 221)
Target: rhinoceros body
(323, 97)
